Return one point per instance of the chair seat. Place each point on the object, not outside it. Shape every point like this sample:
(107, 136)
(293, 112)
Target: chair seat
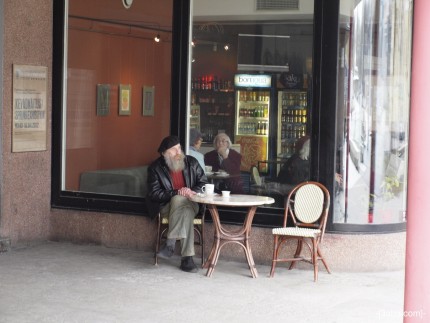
(297, 232)
(195, 222)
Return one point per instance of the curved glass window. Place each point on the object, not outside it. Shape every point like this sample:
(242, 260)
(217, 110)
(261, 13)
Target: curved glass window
(373, 111)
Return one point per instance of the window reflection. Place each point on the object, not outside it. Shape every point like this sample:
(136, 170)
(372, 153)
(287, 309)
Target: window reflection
(373, 111)
(117, 75)
(251, 80)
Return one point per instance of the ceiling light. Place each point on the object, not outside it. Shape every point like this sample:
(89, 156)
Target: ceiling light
(226, 47)
(157, 38)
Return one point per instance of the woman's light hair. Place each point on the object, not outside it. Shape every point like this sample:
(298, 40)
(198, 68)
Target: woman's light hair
(222, 136)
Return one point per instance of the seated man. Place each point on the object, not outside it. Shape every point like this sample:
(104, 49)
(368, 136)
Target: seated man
(172, 178)
(195, 144)
(296, 168)
(224, 158)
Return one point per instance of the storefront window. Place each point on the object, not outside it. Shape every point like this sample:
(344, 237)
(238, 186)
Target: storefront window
(251, 80)
(117, 85)
(373, 111)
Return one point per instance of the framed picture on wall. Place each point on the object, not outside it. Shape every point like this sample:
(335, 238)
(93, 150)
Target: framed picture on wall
(148, 101)
(124, 99)
(103, 91)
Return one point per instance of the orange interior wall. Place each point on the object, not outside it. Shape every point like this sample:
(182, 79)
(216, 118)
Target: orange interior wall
(115, 141)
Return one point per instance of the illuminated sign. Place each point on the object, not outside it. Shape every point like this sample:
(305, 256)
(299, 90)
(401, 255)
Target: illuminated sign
(249, 80)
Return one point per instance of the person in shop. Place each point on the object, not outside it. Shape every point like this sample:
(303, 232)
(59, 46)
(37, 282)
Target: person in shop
(222, 158)
(196, 140)
(172, 179)
(296, 168)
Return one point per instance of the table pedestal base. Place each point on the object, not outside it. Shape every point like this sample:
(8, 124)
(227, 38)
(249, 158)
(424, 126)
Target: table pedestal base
(223, 236)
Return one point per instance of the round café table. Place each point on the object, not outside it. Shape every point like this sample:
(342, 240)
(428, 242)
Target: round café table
(223, 235)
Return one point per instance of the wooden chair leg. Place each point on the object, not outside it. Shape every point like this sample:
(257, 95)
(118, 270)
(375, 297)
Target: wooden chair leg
(157, 241)
(320, 255)
(297, 253)
(275, 255)
(315, 258)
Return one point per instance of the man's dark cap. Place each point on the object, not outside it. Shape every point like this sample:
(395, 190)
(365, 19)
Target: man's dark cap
(167, 143)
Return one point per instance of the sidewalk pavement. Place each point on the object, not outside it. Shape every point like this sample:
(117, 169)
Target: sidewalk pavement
(63, 282)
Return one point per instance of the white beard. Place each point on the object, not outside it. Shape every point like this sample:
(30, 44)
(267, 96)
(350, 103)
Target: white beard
(175, 165)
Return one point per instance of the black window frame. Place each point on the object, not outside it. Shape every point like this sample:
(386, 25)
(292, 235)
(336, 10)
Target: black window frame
(102, 202)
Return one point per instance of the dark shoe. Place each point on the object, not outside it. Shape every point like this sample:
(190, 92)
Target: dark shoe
(187, 264)
(166, 252)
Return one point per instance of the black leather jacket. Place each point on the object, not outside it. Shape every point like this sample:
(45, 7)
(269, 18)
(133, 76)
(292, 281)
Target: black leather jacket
(160, 185)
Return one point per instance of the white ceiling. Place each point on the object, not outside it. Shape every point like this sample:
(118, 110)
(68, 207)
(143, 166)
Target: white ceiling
(239, 10)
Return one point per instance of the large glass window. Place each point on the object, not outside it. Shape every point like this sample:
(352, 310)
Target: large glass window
(373, 111)
(118, 96)
(251, 79)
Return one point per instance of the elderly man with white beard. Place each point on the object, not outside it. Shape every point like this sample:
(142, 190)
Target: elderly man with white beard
(172, 178)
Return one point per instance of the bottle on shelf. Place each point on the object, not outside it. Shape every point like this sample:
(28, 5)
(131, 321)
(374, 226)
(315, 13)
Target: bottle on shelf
(266, 112)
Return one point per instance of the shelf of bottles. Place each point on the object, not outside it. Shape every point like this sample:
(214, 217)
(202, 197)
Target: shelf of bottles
(292, 120)
(252, 113)
(195, 117)
(211, 83)
(214, 98)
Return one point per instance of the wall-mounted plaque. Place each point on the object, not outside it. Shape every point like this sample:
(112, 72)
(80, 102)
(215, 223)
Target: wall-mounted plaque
(103, 93)
(29, 108)
(124, 99)
(148, 101)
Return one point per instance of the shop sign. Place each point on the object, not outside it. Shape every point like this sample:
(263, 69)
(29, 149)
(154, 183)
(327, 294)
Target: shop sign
(29, 108)
(250, 80)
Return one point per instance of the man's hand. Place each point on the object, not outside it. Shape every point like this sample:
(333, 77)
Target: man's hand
(186, 192)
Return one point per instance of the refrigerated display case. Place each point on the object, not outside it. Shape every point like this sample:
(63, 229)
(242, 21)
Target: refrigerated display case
(293, 115)
(252, 125)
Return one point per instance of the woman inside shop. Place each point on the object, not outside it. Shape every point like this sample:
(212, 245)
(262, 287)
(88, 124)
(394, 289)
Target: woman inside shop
(222, 158)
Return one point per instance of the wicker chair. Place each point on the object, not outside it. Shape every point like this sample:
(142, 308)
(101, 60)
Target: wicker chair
(163, 226)
(307, 205)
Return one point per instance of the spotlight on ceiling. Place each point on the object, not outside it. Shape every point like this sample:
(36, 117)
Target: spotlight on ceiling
(226, 47)
(157, 38)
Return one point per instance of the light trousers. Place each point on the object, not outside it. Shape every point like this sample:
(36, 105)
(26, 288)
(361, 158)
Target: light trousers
(181, 213)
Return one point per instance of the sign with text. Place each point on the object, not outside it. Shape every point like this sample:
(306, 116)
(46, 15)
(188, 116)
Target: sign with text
(250, 80)
(29, 108)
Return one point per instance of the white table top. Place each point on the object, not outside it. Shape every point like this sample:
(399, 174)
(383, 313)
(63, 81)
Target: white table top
(233, 200)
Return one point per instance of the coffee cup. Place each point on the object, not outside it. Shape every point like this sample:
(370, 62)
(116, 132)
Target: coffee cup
(208, 189)
(208, 169)
(225, 193)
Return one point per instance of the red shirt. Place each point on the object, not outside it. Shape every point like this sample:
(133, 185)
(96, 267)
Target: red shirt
(178, 180)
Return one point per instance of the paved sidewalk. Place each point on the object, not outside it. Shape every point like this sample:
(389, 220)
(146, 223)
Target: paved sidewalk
(63, 282)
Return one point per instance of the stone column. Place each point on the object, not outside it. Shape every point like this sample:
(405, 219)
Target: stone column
(417, 284)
